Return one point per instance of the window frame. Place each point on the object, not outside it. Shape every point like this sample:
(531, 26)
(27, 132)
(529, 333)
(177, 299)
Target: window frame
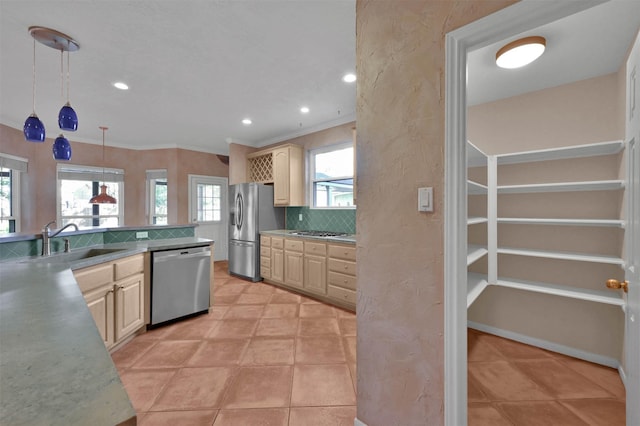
(16, 166)
(311, 181)
(90, 171)
(154, 178)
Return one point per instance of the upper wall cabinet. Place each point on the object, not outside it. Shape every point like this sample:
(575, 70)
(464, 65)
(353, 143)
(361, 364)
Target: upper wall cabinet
(282, 166)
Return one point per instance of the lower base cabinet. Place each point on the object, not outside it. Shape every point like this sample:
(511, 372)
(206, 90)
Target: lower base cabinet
(315, 268)
(114, 293)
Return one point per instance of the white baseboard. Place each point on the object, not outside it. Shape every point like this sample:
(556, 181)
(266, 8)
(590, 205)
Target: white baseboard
(623, 376)
(357, 422)
(550, 346)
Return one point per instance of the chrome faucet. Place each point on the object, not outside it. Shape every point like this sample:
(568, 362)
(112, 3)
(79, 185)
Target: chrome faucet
(47, 235)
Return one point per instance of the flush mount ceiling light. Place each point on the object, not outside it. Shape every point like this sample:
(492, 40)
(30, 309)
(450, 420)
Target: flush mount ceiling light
(120, 85)
(103, 197)
(520, 52)
(304, 110)
(349, 78)
(246, 121)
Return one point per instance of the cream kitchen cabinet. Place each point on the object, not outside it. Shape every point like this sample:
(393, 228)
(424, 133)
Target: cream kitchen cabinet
(293, 263)
(265, 257)
(282, 166)
(322, 270)
(342, 273)
(315, 267)
(114, 293)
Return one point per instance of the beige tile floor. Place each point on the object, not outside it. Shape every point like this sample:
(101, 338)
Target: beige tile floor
(513, 384)
(264, 356)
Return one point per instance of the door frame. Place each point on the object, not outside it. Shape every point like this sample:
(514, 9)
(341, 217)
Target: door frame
(522, 16)
(224, 208)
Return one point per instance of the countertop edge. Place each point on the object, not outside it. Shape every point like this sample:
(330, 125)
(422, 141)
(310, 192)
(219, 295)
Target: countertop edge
(287, 233)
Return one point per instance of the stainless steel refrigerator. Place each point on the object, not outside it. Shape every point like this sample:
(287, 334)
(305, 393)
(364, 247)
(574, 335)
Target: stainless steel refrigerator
(251, 211)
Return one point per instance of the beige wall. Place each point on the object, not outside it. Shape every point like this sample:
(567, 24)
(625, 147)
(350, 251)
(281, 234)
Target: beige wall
(583, 112)
(400, 118)
(38, 186)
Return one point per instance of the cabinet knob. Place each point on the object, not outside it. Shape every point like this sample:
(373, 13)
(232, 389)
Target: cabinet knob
(616, 285)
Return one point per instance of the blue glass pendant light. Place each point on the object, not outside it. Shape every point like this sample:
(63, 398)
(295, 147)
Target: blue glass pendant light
(62, 148)
(67, 118)
(34, 128)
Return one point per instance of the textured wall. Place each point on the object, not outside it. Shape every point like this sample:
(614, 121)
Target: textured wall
(586, 111)
(38, 186)
(400, 118)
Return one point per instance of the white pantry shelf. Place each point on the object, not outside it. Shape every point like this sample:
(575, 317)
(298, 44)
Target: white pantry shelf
(476, 283)
(578, 151)
(593, 258)
(476, 220)
(599, 185)
(475, 252)
(562, 222)
(475, 188)
(475, 156)
(600, 296)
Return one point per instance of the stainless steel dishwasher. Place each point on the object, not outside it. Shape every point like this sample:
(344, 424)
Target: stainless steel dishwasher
(179, 283)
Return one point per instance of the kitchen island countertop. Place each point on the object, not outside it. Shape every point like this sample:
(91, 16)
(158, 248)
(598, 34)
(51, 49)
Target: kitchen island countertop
(54, 367)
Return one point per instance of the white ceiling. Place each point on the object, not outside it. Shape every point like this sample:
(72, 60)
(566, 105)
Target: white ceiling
(196, 68)
(584, 45)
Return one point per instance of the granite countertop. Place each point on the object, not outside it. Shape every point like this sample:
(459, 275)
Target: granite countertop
(54, 367)
(347, 239)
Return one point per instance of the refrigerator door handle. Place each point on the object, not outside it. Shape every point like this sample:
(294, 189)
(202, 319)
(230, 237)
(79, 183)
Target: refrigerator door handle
(239, 212)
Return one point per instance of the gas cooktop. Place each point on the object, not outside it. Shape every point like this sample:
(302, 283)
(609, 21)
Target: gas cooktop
(319, 234)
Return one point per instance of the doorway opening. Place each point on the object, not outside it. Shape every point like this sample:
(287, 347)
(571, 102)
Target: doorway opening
(507, 23)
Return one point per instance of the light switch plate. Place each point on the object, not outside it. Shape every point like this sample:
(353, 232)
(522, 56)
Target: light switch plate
(425, 199)
(142, 234)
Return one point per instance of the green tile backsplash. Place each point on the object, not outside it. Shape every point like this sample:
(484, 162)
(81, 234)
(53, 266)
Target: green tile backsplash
(339, 220)
(33, 247)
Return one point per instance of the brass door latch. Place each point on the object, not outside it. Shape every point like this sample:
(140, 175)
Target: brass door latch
(615, 285)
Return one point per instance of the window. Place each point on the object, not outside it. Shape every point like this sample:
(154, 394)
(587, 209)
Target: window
(76, 186)
(209, 202)
(157, 197)
(331, 176)
(10, 169)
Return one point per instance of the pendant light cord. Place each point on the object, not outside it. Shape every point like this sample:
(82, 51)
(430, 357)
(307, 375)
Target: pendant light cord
(68, 71)
(62, 74)
(34, 76)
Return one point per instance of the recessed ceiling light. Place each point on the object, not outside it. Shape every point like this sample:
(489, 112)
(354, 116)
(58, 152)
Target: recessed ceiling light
(120, 85)
(349, 78)
(520, 52)
(246, 121)
(304, 110)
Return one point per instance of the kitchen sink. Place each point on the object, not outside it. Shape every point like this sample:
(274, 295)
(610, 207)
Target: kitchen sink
(78, 254)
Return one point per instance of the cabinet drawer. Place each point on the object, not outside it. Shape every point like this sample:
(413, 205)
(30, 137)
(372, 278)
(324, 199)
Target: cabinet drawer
(265, 272)
(129, 266)
(342, 252)
(342, 294)
(342, 266)
(293, 245)
(277, 242)
(265, 251)
(94, 277)
(342, 280)
(265, 261)
(265, 241)
(319, 249)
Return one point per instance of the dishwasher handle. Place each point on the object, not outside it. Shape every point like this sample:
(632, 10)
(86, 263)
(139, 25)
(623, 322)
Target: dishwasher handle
(181, 254)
